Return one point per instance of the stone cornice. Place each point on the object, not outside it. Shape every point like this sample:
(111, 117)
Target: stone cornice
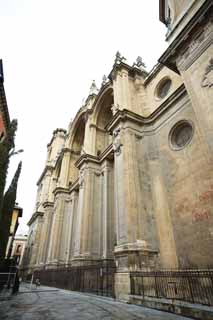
(48, 204)
(66, 150)
(169, 56)
(98, 160)
(74, 186)
(48, 167)
(58, 190)
(123, 115)
(132, 71)
(92, 125)
(58, 130)
(105, 154)
(86, 158)
(153, 73)
(34, 217)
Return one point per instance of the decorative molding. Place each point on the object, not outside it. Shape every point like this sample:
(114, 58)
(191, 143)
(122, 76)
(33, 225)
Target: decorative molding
(48, 204)
(81, 178)
(196, 47)
(115, 108)
(117, 144)
(207, 80)
(92, 125)
(138, 136)
(124, 114)
(190, 33)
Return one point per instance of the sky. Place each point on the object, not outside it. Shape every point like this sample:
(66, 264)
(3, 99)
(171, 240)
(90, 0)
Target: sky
(51, 51)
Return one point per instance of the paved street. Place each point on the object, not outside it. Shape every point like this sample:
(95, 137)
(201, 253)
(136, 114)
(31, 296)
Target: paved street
(52, 304)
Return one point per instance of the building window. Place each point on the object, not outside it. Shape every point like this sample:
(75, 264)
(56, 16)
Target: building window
(181, 134)
(163, 88)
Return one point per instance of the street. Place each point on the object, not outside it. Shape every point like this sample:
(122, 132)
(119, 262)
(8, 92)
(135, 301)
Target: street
(46, 303)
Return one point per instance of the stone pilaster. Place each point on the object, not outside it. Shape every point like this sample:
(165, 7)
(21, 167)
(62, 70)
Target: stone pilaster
(57, 227)
(134, 249)
(195, 64)
(88, 237)
(47, 224)
(64, 174)
(108, 220)
(122, 95)
(71, 224)
(37, 238)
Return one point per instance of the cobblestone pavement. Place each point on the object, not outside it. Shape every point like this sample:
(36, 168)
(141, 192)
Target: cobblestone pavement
(54, 304)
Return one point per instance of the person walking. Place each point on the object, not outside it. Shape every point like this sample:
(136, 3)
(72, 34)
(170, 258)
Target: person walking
(37, 283)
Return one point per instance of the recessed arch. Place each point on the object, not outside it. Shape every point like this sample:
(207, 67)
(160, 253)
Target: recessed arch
(76, 143)
(102, 115)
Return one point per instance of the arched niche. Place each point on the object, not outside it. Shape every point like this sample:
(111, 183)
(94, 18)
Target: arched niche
(78, 141)
(103, 114)
(77, 135)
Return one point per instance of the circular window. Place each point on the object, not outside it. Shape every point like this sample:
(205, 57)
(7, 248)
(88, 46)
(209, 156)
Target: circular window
(181, 134)
(163, 88)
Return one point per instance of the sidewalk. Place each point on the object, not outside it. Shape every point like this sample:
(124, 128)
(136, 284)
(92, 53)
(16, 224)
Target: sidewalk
(45, 303)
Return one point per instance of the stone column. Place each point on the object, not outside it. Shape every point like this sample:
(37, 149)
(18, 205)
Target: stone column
(87, 242)
(64, 174)
(37, 238)
(108, 221)
(72, 217)
(57, 225)
(122, 96)
(48, 216)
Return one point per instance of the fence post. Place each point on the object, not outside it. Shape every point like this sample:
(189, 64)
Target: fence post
(156, 286)
(31, 281)
(190, 287)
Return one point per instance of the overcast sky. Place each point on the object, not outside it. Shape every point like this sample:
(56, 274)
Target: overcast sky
(51, 51)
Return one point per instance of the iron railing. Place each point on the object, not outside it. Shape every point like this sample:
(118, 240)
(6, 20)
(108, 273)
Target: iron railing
(195, 286)
(97, 279)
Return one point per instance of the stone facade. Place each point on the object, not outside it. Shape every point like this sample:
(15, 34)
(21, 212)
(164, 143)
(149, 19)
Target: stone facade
(130, 180)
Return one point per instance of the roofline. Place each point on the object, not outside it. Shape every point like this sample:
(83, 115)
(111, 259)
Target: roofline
(162, 11)
(34, 216)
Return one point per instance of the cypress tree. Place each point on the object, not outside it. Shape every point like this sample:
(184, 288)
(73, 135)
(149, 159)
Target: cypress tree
(7, 211)
(5, 148)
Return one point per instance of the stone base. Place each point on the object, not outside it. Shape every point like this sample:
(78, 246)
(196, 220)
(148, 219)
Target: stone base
(122, 286)
(134, 257)
(195, 311)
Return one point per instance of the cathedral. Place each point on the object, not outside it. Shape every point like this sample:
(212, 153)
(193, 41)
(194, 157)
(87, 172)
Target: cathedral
(128, 187)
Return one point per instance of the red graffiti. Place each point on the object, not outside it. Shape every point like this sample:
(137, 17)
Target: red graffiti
(195, 209)
(206, 196)
(201, 215)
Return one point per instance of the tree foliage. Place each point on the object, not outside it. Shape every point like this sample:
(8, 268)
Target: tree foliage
(7, 211)
(6, 146)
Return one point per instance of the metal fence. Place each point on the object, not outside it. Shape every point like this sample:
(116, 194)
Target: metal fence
(7, 280)
(195, 286)
(97, 279)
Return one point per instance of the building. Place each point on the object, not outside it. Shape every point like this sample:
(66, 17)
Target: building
(18, 248)
(129, 184)
(16, 214)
